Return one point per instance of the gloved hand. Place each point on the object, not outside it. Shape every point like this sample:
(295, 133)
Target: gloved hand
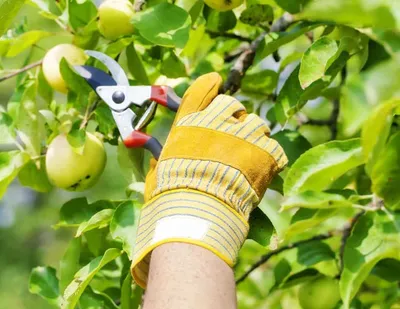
(213, 171)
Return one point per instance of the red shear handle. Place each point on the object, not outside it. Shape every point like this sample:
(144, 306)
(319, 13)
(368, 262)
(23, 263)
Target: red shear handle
(164, 95)
(139, 139)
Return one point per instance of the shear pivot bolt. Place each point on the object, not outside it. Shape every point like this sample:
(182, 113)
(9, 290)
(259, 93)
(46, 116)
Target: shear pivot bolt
(118, 97)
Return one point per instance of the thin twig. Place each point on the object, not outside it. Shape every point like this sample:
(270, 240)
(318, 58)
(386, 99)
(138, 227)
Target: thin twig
(246, 58)
(228, 35)
(346, 234)
(89, 112)
(19, 71)
(269, 255)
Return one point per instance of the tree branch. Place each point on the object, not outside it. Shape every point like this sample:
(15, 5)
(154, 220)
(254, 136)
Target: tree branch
(346, 234)
(269, 255)
(246, 58)
(228, 35)
(88, 114)
(19, 71)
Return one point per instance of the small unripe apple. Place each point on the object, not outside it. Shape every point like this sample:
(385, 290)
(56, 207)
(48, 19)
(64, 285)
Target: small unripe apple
(320, 293)
(115, 18)
(51, 64)
(223, 5)
(72, 171)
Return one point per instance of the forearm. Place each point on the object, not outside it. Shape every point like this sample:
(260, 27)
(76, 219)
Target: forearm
(184, 276)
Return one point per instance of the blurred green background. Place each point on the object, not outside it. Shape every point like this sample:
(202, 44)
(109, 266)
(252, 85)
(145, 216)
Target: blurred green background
(26, 237)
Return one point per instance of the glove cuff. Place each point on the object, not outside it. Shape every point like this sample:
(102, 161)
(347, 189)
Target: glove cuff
(187, 216)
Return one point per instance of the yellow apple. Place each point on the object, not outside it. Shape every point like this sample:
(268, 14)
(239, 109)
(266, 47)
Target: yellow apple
(72, 171)
(51, 64)
(320, 293)
(115, 18)
(223, 5)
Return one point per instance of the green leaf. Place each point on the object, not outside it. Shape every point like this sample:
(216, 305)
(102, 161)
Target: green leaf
(69, 263)
(376, 130)
(261, 228)
(8, 10)
(293, 97)
(97, 221)
(173, 67)
(374, 238)
(314, 200)
(305, 219)
(80, 13)
(6, 129)
(293, 143)
(105, 120)
(257, 14)
(315, 60)
(25, 40)
(131, 295)
(44, 282)
(365, 90)
(96, 300)
(385, 174)
(320, 166)
(135, 65)
(387, 269)
(131, 162)
(292, 6)
(221, 21)
(77, 137)
(274, 40)
(10, 164)
(171, 32)
(380, 13)
(389, 39)
(34, 175)
(259, 82)
(78, 210)
(83, 277)
(74, 81)
(28, 124)
(123, 227)
(44, 89)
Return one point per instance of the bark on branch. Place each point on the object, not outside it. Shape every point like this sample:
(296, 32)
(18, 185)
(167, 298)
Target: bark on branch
(265, 258)
(19, 71)
(246, 58)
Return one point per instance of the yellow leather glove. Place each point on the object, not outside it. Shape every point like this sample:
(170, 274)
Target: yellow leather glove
(213, 171)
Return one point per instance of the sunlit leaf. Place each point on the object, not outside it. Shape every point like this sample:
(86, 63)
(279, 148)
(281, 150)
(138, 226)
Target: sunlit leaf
(317, 168)
(315, 60)
(171, 32)
(385, 174)
(123, 227)
(8, 10)
(97, 221)
(374, 238)
(220, 22)
(25, 40)
(293, 143)
(135, 65)
(96, 300)
(131, 295)
(257, 14)
(259, 82)
(83, 277)
(312, 199)
(375, 132)
(173, 67)
(10, 164)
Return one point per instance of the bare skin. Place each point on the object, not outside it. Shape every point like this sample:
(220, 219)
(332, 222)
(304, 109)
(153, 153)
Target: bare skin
(185, 276)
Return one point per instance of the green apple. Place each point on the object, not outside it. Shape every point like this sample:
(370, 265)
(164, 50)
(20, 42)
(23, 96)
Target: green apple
(320, 293)
(115, 18)
(223, 5)
(51, 64)
(72, 171)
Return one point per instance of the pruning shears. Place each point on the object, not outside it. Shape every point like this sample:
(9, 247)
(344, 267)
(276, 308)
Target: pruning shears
(116, 92)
